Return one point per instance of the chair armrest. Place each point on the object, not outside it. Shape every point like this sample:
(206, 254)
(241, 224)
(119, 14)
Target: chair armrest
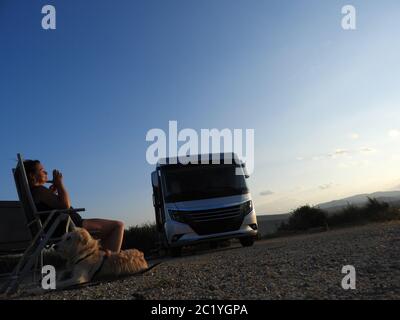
(60, 211)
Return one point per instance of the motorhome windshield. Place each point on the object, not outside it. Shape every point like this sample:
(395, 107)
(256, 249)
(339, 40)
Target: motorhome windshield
(194, 182)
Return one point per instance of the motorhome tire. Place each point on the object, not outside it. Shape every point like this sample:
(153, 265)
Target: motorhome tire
(247, 241)
(176, 251)
(214, 244)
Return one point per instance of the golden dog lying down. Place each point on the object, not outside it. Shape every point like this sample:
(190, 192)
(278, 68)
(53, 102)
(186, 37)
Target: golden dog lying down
(86, 261)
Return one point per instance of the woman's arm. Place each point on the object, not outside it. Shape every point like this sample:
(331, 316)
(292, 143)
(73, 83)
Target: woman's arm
(62, 192)
(60, 200)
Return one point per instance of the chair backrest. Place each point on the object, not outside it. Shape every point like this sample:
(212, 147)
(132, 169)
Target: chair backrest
(25, 197)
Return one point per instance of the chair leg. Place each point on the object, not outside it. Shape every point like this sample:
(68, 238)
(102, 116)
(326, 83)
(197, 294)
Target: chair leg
(19, 266)
(41, 264)
(11, 286)
(26, 254)
(35, 269)
(41, 261)
(38, 266)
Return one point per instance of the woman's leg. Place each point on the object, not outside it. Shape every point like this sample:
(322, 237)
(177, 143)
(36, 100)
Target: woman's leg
(111, 232)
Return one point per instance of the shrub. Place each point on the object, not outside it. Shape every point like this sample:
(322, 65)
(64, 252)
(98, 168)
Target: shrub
(375, 210)
(143, 237)
(349, 215)
(372, 211)
(307, 217)
(304, 218)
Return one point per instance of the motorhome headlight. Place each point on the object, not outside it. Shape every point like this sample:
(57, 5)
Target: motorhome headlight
(176, 215)
(246, 207)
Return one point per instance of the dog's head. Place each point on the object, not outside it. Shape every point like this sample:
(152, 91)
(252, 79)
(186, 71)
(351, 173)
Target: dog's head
(76, 244)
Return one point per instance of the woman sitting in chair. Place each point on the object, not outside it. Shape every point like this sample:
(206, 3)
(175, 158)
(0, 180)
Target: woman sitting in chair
(110, 232)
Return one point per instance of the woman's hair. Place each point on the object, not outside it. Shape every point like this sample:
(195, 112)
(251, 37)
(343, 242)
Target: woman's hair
(30, 169)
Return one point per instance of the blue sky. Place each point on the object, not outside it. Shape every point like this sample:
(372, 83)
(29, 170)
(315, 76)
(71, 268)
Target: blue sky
(324, 102)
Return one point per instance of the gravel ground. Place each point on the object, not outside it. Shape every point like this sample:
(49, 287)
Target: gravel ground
(298, 267)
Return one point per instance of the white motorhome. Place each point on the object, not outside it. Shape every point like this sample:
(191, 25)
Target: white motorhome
(200, 201)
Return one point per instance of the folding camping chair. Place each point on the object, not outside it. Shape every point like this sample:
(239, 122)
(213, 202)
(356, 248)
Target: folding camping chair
(42, 234)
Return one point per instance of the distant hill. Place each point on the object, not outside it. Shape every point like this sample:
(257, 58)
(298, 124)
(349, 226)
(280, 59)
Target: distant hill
(391, 197)
(269, 223)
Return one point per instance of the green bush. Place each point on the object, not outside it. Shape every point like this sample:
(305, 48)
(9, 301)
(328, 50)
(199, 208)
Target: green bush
(304, 218)
(307, 217)
(143, 237)
(372, 211)
(349, 215)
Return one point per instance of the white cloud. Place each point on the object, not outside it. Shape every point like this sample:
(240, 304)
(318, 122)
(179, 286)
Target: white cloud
(326, 186)
(354, 136)
(367, 150)
(340, 152)
(394, 133)
(266, 193)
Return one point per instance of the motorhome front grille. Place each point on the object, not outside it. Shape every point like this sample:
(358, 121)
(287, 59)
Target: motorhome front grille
(205, 222)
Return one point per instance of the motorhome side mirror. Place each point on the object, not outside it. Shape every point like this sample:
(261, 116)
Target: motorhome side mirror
(154, 179)
(154, 200)
(246, 174)
(156, 189)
